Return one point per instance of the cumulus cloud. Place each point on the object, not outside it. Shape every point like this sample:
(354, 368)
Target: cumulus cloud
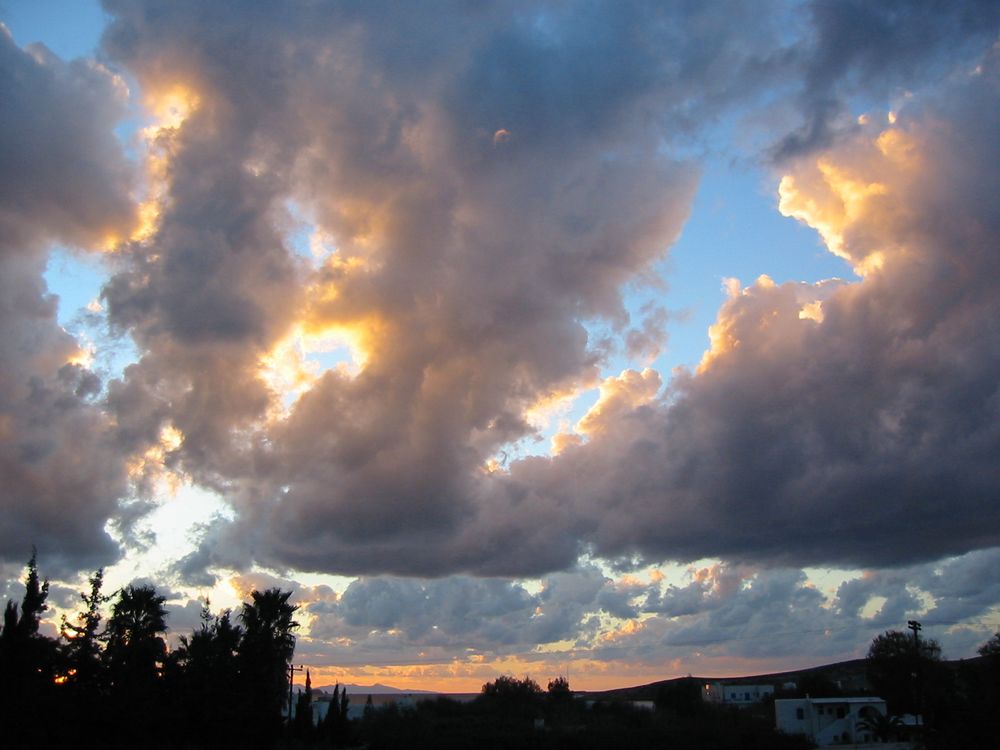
(852, 423)
(487, 190)
(465, 264)
(488, 181)
(713, 615)
(64, 179)
(378, 620)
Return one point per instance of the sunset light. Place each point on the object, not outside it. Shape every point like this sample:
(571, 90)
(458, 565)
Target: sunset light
(435, 346)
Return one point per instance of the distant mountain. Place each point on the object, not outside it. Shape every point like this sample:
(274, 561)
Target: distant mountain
(376, 689)
(849, 675)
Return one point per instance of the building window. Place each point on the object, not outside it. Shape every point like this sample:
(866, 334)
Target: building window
(841, 713)
(800, 714)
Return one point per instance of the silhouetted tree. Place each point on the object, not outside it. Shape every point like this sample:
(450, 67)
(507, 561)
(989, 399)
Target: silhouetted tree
(264, 655)
(559, 688)
(135, 647)
(82, 652)
(336, 728)
(991, 648)
(369, 706)
(974, 719)
(35, 594)
(512, 696)
(904, 671)
(28, 662)
(882, 727)
(206, 676)
(680, 698)
(134, 656)
(303, 723)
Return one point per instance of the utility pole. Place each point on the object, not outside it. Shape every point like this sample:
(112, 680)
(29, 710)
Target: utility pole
(292, 669)
(916, 627)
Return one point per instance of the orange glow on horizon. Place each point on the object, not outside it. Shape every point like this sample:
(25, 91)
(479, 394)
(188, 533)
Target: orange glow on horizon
(584, 674)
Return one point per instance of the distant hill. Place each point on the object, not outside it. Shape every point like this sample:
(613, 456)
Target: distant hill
(376, 689)
(849, 676)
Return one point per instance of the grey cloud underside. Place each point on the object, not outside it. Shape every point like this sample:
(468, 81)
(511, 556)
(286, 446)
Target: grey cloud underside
(879, 50)
(724, 611)
(864, 440)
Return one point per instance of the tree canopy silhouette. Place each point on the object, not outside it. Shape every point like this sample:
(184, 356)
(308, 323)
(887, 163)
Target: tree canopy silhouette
(82, 651)
(902, 669)
(28, 660)
(264, 654)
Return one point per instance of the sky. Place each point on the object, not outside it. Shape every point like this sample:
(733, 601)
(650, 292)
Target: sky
(615, 340)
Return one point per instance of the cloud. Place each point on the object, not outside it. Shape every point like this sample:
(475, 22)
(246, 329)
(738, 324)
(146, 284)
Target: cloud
(850, 424)
(64, 179)
(878, 50)
(716, 615)
(378, 620)
(487, 189)
(463, 274)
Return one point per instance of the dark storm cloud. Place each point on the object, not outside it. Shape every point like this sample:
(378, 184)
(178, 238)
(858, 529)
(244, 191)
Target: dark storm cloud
(62, 179)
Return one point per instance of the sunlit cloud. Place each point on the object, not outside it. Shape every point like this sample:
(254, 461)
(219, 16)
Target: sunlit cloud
(403, 310)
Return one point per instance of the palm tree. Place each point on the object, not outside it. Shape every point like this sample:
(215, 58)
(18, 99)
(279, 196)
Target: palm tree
(135, 655)
(268, 621)
(882, 727)
(265, 652)
(135, 647)
(207, 669)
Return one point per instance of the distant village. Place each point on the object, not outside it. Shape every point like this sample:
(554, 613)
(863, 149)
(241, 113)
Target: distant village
(849, 721)
(836, 705)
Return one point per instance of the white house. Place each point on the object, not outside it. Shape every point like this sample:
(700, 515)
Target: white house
(735, 695)
(828, 721)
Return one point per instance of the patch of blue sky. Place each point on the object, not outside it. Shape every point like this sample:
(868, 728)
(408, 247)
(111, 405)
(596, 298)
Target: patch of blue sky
(337, 358)
(735, 231)
(76, 279)
(70, 28)
(303, 237)
(302, 229)
(129, 130)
